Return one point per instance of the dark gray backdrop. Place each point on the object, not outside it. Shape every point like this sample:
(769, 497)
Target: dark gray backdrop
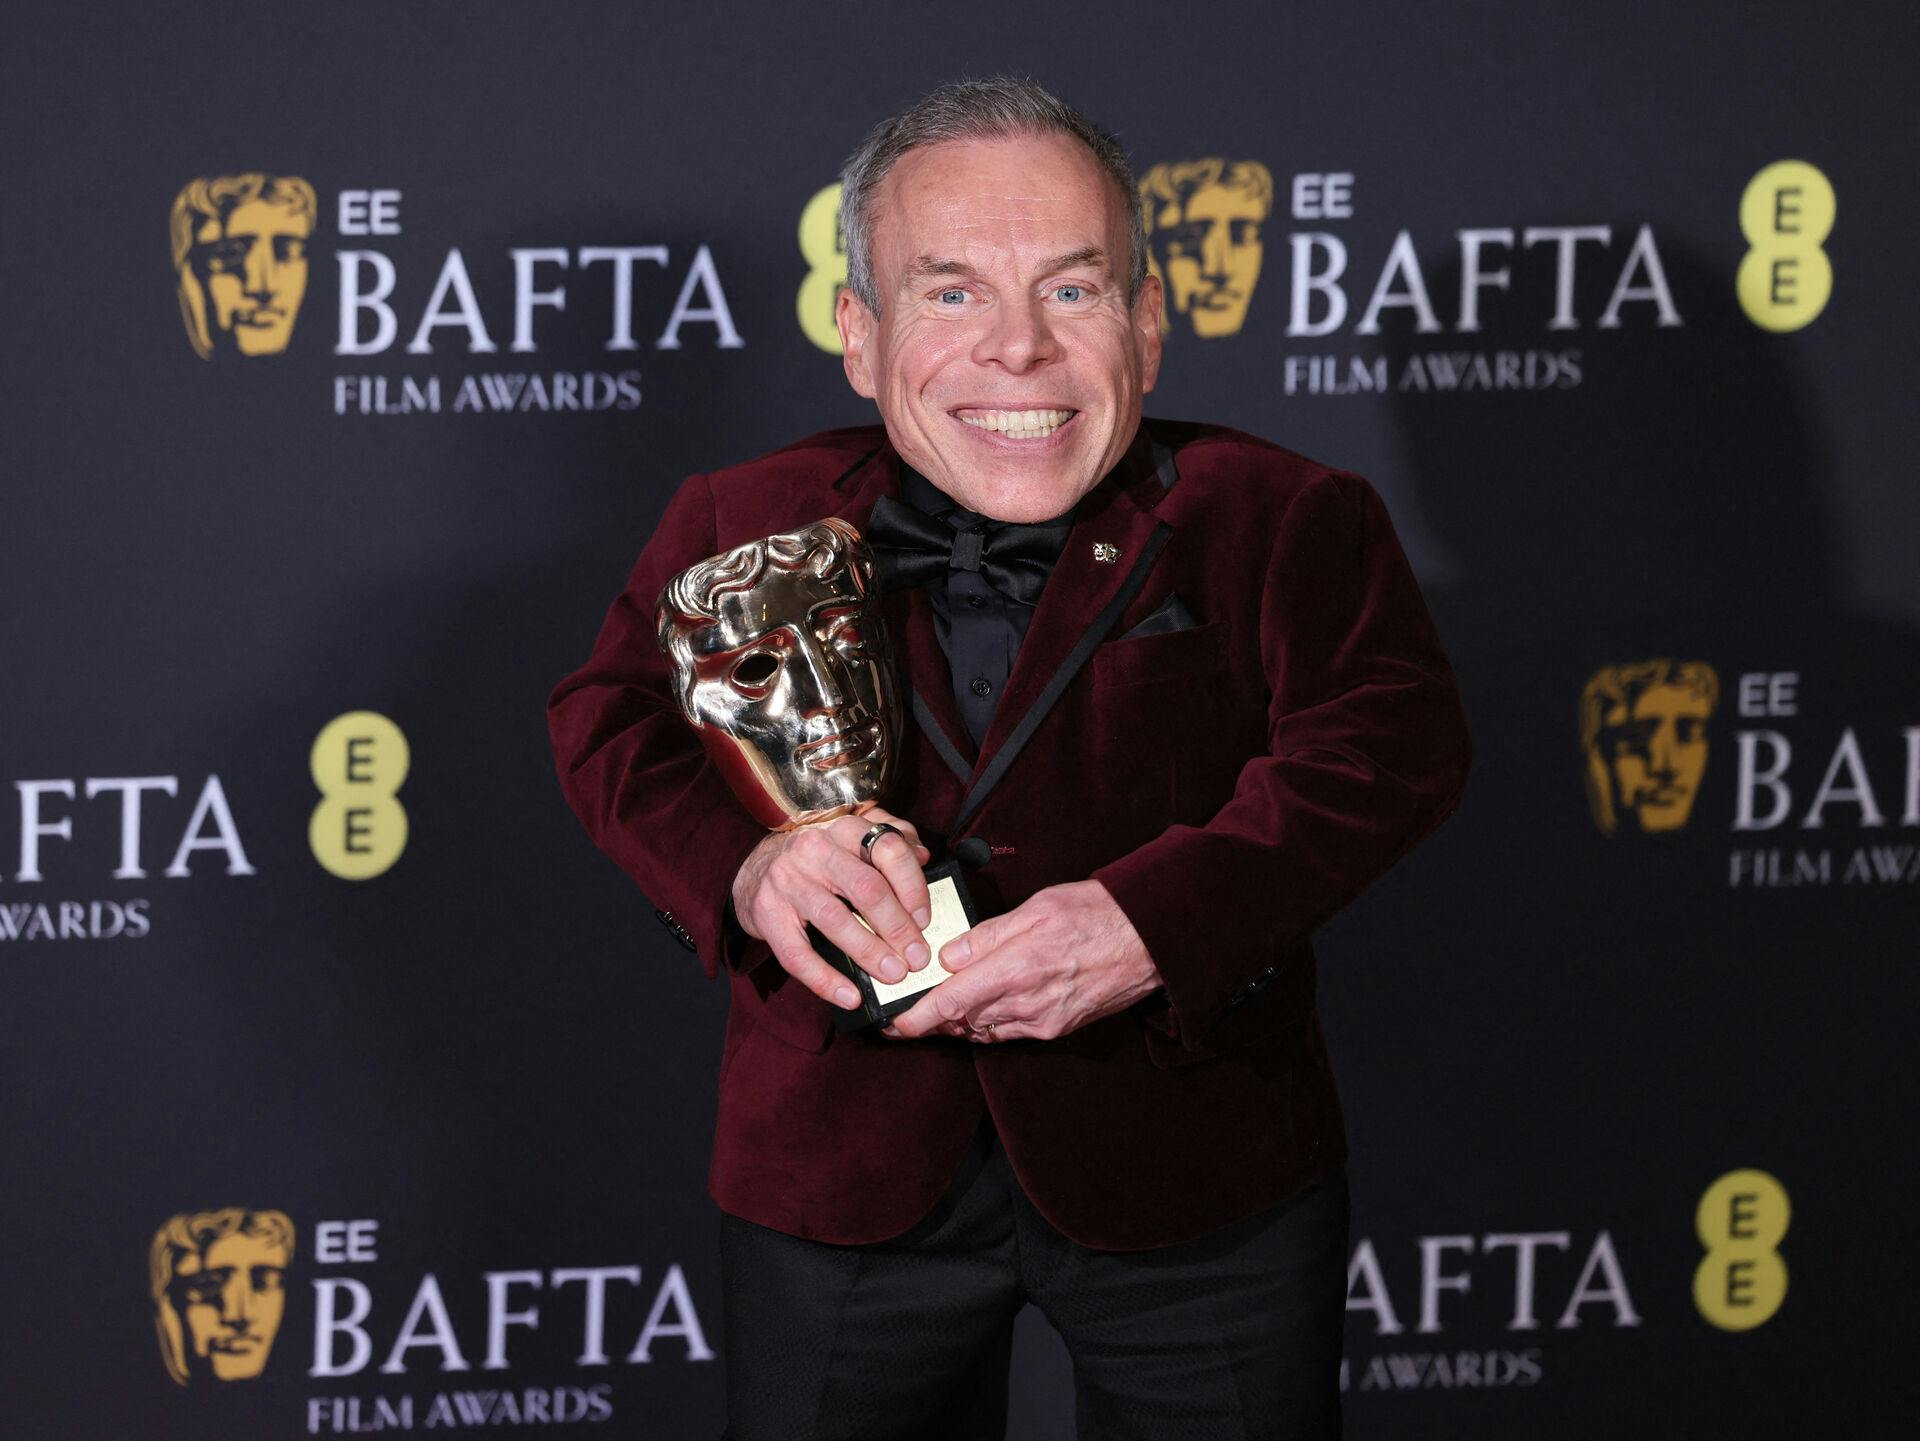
(491, 1050)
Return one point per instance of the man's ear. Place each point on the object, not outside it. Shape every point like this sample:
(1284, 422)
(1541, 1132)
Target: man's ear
(1146, 326)
(856, 324)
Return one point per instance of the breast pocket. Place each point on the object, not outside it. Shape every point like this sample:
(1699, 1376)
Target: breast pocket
(1174, 657)
(1155, 707)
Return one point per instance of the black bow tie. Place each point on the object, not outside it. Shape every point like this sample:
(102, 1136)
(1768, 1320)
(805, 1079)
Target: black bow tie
(911, 548)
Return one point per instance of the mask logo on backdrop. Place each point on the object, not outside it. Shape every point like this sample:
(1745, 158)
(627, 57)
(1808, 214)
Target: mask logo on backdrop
(219, 1298)
(1786, 214)
(218, 1292)
(240, 255)
(358, 762)
(1643, 737)
(1203, 221)
(1741, 1281)
(1643, 730)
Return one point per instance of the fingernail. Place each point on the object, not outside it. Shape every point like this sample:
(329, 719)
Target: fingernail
(893, 1031)
(891, 969)
(918, 955)
(956, 952)
(922, 917)
(847, 997)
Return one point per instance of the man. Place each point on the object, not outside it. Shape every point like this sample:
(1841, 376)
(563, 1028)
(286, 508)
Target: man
(240, 253)
(1203, 220)
(1643, 729)
(1176, 698)
(218, 1296)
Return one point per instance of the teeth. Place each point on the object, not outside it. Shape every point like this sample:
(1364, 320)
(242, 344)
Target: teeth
(1019, 424)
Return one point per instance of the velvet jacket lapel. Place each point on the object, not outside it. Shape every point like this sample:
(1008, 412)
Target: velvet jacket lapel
(1113, 519)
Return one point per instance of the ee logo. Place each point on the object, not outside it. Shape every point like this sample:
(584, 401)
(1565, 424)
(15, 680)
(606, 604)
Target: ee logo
(359, 761)
(1786, 214)
(1741, 1281)
(826, 257)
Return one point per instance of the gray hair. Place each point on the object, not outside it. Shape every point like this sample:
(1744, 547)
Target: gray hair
(995, 109)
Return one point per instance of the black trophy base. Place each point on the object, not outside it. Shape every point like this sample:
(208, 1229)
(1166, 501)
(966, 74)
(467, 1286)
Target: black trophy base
(954, 913)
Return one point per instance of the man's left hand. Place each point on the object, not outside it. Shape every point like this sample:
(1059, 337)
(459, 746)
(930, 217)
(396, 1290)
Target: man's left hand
(1064, 957)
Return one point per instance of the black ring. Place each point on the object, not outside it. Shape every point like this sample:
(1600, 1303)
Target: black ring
(880, 828)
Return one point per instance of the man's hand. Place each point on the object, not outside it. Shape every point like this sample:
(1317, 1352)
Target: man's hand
(1066, 956)
(811, 874)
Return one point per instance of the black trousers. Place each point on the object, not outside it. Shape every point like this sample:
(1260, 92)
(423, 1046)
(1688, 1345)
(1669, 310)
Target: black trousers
(1234, 1334)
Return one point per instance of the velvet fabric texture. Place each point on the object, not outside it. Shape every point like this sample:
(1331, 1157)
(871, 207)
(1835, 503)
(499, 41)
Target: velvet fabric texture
(1233, 783)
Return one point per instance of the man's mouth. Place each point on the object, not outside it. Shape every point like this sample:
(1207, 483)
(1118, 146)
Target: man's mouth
(1035, 424)
(234, 1345)
(259, 317)
(844, 747)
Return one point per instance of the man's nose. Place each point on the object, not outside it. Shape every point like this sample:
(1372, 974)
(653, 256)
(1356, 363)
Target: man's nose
(817, 679)
(1214, 253)
(236, 1309)
(1019, 336)
(260, 269)
(1660, 753)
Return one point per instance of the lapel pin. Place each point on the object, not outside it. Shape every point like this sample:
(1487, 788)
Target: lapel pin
(1107, 554)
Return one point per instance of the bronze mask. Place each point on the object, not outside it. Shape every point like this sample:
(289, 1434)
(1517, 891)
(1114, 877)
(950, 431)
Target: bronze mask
(781, 664)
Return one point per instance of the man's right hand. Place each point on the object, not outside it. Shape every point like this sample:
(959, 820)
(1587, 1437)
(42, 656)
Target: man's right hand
(816, 875)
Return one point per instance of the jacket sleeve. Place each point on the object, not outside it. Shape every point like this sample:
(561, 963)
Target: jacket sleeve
(634, 771)
(1367, 753)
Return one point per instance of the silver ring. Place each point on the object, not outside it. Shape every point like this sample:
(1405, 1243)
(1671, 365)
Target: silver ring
(874, 832)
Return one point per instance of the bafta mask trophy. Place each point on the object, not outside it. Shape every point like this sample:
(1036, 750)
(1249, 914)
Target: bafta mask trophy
(781, 663)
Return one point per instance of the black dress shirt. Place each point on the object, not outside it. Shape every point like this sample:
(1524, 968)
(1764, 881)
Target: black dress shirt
(979, 628)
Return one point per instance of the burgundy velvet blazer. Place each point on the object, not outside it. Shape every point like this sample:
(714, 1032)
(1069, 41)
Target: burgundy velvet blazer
(1232, 783)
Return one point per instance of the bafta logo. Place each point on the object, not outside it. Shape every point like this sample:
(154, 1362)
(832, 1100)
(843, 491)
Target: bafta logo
(1643, 730)
(240, 253)
(217, 1291)
(1203, 239)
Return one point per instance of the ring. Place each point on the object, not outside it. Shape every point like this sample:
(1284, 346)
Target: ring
(874, 832)
(986, 1030)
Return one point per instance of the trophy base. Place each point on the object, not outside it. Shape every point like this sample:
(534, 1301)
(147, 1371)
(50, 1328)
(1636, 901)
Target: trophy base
(953, 914)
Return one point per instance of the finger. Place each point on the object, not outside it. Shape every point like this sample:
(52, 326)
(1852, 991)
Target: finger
(981, 941)
(829, 915)
(803, 963)
(876, 815)
(907, 832)
(851, 832)
(871, 893)
(983, 1035)
(948, 1005)
(894, 859)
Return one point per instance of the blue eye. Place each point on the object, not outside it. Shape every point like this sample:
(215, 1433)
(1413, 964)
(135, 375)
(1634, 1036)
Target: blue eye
(1068, 293)
(952, 297)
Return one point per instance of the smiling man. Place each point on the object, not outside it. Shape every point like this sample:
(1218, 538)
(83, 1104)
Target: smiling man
(1175, 699)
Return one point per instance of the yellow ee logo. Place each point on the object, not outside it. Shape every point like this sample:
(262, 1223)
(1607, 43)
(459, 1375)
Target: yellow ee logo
(359, 761)
(1786, 214)
(1741, 1281)
(826, 256)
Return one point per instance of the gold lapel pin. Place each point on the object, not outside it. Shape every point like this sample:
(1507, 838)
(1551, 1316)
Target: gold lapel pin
(1108, 554)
